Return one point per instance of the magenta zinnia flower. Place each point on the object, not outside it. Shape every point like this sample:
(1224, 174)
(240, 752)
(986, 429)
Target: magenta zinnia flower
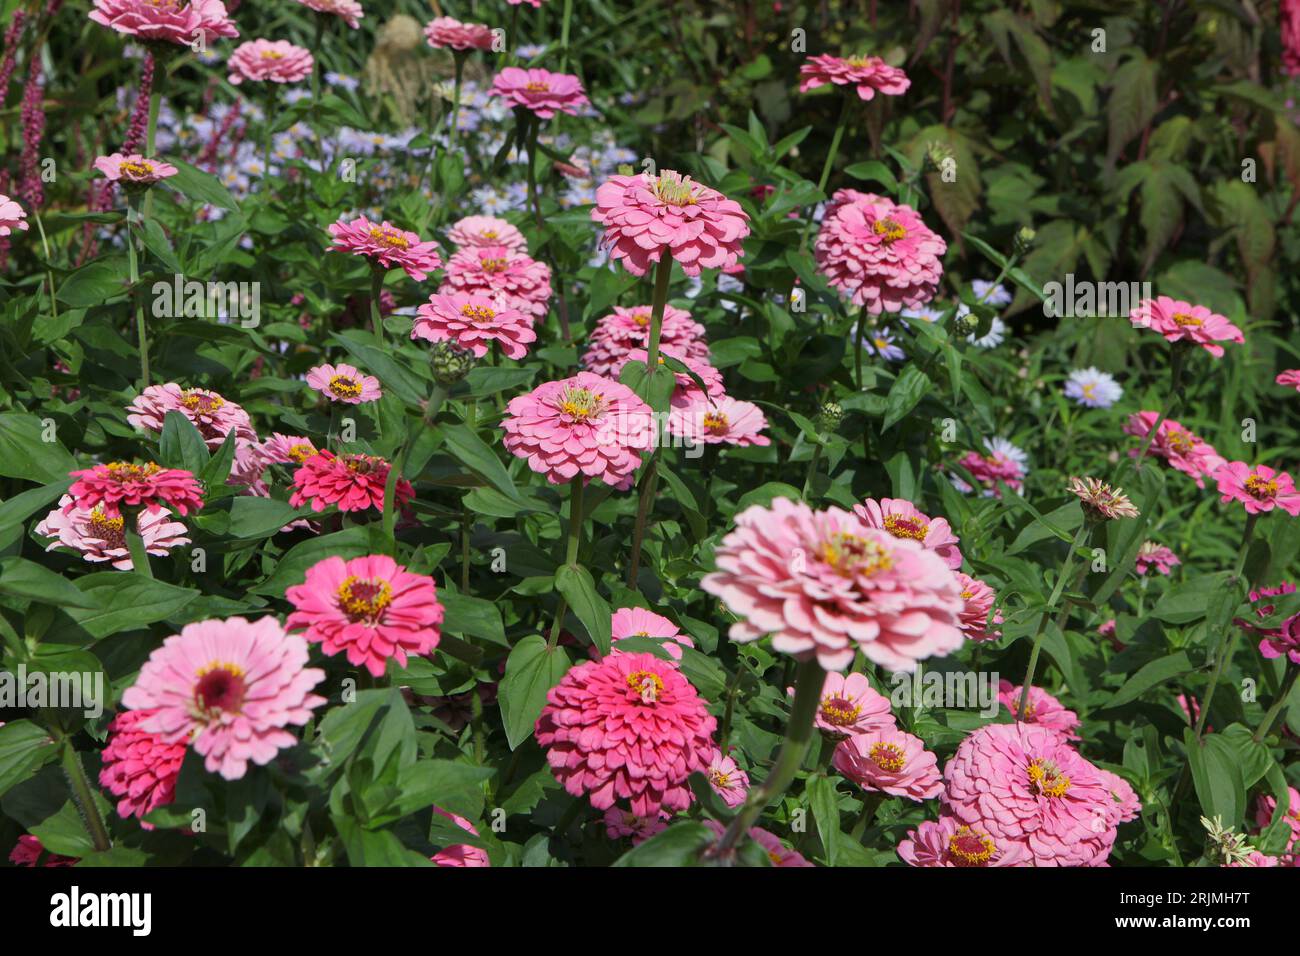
(979, 598)
(387, 245)
(823, 583)
(139, 766)
(540, 91)
(646, 217)
(584, 425)
(134, 170)
(353, 482)
(275, 61)
(618, 334)
(629, 727)
(452, 34)
(1127, 805)
(27, 852)
(1260, 489)
(11, 216)
(869, 75)
(494, 271)
(1041, 708)
(903, 519)
(473, 321)
(100, 537)
(213, 416)
(169, 21)
(850, 705)
(229, 688)
(891, 762)
(487, 231)
(879, 254)
(1283, 640)
(727, 779)
(122, 483)
(371, 607)
(620, 823)
(638, 622)
(1180, 321)
(349, 11)
(1152, 555)
(1177, 445)
(344, 383)
(947, 842)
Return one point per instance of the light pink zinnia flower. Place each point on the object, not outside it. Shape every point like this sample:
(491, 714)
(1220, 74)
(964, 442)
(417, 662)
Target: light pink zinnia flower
(892, 762)
(1152, 555)
(777, 852)
(139, 766)
(287, 449)
(727, 779)
(230, 688)
(11, 217)
(1289, 15)
(370, 607)
(1181, 321)
(1260, 489)
(134, 170)
(638, 622)
(628, 727)
(979, 598)
(719, 421)
(275, 61)
(1020, 783)
(472, 321)
(353, 482)
(646, 217)
(213, 416)
(122, 483)
(947, 842)
(100, 537)
(487, 231)
(1177, 445)
(1127, 805)
(494, 271)
(344, 383)
(584, 425)
(823, 583)
(542, 92)
(387, 245)
(1041, 708)
(1290, 378)
(879, 254)
(868, 74)
(460, 854)
(903, 519)
(618, 334)
(452, 34)
(1102, 501)
(850, 705)
(348, 10)
(176, 22)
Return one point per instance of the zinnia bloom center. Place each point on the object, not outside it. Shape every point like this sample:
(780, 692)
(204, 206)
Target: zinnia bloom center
(364, 599)
(719, 779)
(840, 712)
(901, 526)
(360, 464)
(1185, 320)
(1179, 441)
(492, 265)
(477, 313)
(301, 452)
(345, 387)
(538, 86)
(641, 318)
(220, 689)
(1046, 779)
(849, 554)
(675, 189)
(581, 405)
(111, 530)
(647, 684)
(969, 847)
(389, 237)
(125, 471)
(888, 757)
(715, 422)
(1261, 488)
(889, 229)
(137, 169)
(203, 404)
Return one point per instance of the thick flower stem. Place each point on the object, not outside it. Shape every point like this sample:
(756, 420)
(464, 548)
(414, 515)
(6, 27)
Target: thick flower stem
(84, 797)
(830, 159)
(663, 276)
(1283, 692)
(1067, 571)
(576, 490)
(376, 319)
(857, 348)
(798, 732)
(133, 266)
(648, 483)
(454, 132)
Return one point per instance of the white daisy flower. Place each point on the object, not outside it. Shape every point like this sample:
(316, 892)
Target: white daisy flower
(1093, 388)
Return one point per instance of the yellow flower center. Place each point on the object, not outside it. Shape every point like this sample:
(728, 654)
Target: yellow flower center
(675, 189)
(719, 779)
(581, 405)
(1186, 321)
(477, 313)
(902, 526)
(489, 234)
(538, 86)
(888, 757)
(389, 237)
(648, 684)
(125, 471)
(969, 847)
(848, 554)
(1180, 441)
(364, 599)
(967, 595)
(1261, 488)
(716, 422)
(109, 529)
(345, 386)
(301, 452)
(141, 168)
(840, 712)
(272, 55)
(493, 265)
(197, 401)
(641, 318)
(1089, 389)
(889, 229)
(1046, 779)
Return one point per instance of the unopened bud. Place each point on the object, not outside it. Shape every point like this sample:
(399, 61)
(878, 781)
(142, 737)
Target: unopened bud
(1024, 239)
(450, 362)
(937, 154)
(830, 417)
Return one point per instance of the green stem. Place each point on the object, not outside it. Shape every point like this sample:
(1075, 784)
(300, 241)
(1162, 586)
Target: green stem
(564, 36)
(870, 804)
(376, 289)
(576, 490)
(155, 105)
(266, 137)
(830, 159)
(663, 277)
(1175, 396)
(1080, 540)
(857, 348)
(466, 522)
(1283, 692)
(133, 273)
(49, 273)
(84, 797)
(454, 132)
(812, 470)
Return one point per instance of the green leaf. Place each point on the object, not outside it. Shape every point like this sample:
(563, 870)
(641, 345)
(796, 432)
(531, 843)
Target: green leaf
(29, 581)
(25, 454)
(127, 601)
(679, 845)
(472, 452)
(181, 445)
(1217, 777)
(346, 544)
(576, 584)
(24, 748)
(472, 617)
(875, 170)
(1149, 675)
(200, 186)
(532, 669)
(904, 394)
(94, 283)
(252, 517)
(826, 811)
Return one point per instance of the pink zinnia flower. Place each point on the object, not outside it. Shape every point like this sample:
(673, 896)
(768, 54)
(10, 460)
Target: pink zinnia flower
(230, 688)
(472, 321)
(1283, 641)
(850, 705)
(719, 421)
(1181, 321)
(1254, 859)
(1290, 378)
(727, 779)
(386, 245)
(344, 383)
(617, 335)
(542, 92)
(487, 231)
(176, 22)
(584, 425)
(621, 823)
(460, 854)
(646, 217)
(1260, 489)
(903, 519)
(1152, 555)
(275, 61)
(1041, 708)
(1004, 464)
(349, 11)
(27, 852)
(353, 482)
(100, 537)
(496, 272)
(149, 486)
(628, 727)
(1127, 805)
(213, 416)
(1101, 501)
(1289, 14)
(947, 842)
(134, 170)
(777, 852)
(370, 607)
(287, 449)
(451, 33)
(11, 217)
(879, 254)
(1177, 445)
(892, 762)
(1020, 783)
(979, 598)
(823, 583)
(139, 766)
(868, 74)
(638, 622)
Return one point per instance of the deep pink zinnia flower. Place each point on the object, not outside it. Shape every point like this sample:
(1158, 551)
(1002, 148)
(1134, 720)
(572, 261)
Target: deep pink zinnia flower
(473, 321)
(1181, 321)
(98, 537)
(869, 75)
(715, 421)
(370, 607)
(274, 61)
(638, 622)
(850, 705)
(520, 282)
(947, 842)
(823, 583)
(540, 91)
(487, 231)
(11, 216)
(647, 216)
(1041, 708)
(344, 383)
(1285, 640)
(1177, 445)
(1020, 783)
(353, 482)
(387, 245)
(349, 11)
(630, 728)
(584, 425)
(727, 779)
(454, 35)
(1152, 555)
(979, 598)
(122, 483)
(1259, 488)
(229, 688)
(213, 416)
(879, 254)
(134, 170)
(27, 852)
(139, 767)
(616, 335)
(892, 762)
(1290, 378)
(460, 854)
(903, 519)
(166, 21)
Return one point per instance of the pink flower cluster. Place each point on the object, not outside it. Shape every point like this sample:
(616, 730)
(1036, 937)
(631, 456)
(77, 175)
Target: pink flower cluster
(496, 272)
(349, 11)
(452, 34)
(134, 170)
(148, 486)
(627, 328)
(474, 321)
(140, 767)
(97, 536)
(352, 482)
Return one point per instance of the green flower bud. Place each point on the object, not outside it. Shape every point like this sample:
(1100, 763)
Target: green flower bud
(450, 362)
(830, 417)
